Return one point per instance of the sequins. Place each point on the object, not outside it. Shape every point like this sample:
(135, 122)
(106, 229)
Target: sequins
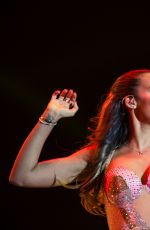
(127, 217)
(116, 185)
(122, 187)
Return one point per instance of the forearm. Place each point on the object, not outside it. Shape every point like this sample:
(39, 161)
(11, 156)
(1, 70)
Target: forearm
(30, 151)
(27, 171)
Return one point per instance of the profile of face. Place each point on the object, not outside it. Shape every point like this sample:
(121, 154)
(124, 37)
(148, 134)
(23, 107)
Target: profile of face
(142, 101)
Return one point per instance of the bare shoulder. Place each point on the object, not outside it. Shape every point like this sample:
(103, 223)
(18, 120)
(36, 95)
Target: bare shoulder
(129, 160)
(119, 158)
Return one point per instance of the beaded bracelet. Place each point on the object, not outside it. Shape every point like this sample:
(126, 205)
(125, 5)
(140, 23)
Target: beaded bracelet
(49, 122)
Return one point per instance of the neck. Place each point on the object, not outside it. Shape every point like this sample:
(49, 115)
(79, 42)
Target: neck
(139, 137)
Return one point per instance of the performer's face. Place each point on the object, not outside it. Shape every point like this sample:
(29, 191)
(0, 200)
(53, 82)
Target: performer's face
(143, 98)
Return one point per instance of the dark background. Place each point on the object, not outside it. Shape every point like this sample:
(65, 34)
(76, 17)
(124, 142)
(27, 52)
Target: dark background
(48, 46)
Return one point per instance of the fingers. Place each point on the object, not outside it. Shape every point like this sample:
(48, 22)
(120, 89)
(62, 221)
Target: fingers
(63, 94)
(74, 96)
(74, 107)
(66, 96)
(55, 94)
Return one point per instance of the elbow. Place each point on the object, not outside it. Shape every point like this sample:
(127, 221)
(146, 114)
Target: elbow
(14, 180)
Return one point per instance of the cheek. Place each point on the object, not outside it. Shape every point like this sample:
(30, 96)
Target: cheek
(143, 105)
(144, 99)
(142, 112)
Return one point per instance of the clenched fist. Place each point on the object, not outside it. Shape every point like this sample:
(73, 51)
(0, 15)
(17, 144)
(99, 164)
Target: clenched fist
(62, 104)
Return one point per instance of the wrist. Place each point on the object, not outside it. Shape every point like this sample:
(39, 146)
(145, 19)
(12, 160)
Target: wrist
(49, 118)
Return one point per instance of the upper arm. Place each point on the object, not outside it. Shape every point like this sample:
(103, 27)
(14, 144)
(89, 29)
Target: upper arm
(55, 172)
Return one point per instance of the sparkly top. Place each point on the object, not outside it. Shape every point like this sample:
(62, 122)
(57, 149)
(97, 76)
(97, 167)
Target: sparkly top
(127, 200)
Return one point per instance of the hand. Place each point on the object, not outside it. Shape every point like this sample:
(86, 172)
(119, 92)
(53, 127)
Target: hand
(62, 104)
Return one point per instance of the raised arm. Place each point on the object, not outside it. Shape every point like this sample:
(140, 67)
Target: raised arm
(27, 171)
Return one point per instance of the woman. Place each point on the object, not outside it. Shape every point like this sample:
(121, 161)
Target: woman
(113, 169)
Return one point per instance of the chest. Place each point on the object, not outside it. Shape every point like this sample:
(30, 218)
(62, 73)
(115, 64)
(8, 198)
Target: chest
(140, 166)
(123, 185)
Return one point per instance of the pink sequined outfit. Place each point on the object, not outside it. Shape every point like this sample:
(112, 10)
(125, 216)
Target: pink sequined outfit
(127, 200)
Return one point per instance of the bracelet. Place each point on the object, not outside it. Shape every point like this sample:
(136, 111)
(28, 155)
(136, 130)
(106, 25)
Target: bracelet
(47, 121)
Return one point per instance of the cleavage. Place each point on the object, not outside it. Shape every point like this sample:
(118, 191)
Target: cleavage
(145, 179)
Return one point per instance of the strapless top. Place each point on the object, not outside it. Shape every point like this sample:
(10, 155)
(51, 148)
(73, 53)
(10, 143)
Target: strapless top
(122, 187)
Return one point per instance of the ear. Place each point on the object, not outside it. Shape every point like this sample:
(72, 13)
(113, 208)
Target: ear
(130, 102)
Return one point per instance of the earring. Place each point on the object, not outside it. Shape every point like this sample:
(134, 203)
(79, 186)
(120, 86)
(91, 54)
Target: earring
(122, 101)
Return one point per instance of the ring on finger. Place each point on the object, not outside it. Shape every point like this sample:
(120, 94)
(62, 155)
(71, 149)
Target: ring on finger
(67, 99)
(61, 98)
